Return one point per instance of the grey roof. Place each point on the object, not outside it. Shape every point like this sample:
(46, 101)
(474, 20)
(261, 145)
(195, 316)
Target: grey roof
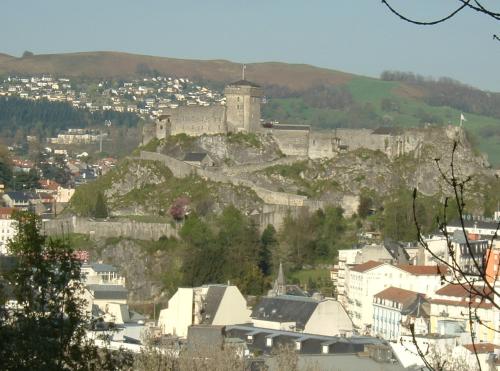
(459, 237)
(109, 292)
(19, 196)
(397, 251)
(203, 337)
(194, 156)
(420, 307)
(244, 83)
(212, 302)
(285, 308)
(291, 127)
(99, 267)
(310, 343)
(482, 224)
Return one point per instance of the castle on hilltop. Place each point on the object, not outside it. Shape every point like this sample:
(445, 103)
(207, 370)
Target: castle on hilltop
(241, 113)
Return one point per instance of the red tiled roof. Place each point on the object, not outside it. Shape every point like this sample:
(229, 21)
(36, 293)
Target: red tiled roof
(366, 266)
(424, 270)
(463, 303)
(481, 347)
(461, 291)
(49, 184)
(6, 212)
(398, 295)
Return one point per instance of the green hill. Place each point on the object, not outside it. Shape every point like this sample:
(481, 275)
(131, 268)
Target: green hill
(300, 93)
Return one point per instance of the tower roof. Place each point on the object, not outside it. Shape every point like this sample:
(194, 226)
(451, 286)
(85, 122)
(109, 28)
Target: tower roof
(244, 83)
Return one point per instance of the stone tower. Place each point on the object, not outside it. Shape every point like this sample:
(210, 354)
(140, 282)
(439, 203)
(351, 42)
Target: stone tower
(163, 127)
(243, 106)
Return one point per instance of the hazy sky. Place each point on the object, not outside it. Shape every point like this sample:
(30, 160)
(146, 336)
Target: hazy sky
(358, 36)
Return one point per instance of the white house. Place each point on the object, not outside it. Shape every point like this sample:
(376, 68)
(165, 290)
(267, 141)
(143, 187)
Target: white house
(302, 314)
(209, 304)
(101, 274)
(394, 309)
(363, 281)
(8, 228)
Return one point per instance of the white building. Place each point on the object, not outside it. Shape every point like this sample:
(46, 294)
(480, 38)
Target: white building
(391, 253)
(210, 304)
(346, 258)
(394, 309)
(101, 274)
(8, 228)
(363, 281)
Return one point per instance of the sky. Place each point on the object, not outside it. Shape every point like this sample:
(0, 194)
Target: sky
(356, 36)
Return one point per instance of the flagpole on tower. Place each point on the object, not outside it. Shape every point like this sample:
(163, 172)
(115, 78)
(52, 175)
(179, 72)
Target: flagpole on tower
(243, 71)
(462, 119)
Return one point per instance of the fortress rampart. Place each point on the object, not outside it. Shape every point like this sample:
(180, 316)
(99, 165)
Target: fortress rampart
(109, 229)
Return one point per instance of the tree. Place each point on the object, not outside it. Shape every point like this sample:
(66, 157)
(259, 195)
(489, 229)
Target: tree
(43, 325)
(101, 208)
(268, 242)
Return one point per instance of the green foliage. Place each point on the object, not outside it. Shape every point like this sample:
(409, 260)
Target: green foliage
(47, 330)
(250, 139)
(211, 250)
(398, 218)
(309, 239)
(100, 208)
(365, 205)
(268, 243)
(44, 118)
(151, 145)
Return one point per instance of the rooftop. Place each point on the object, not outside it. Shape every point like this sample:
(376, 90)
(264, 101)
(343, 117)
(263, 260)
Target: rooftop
(99, 267)
(361, 268)
(404, 297)
(481, 347)
(285, 308)
(459, 291)
(424, 270)
(108, 292)
(244, 83)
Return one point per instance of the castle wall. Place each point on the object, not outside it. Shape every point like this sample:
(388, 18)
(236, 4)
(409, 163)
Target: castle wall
(148, 133)
(321, 145)
(197, 120)
(109, 229)
(179, 169)
(362, 138)
(292, 142)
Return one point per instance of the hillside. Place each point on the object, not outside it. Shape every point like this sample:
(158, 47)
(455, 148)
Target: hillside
(303, 94)
(295, 77)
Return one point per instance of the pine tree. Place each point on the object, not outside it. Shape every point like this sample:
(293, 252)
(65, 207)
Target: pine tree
(101, 208)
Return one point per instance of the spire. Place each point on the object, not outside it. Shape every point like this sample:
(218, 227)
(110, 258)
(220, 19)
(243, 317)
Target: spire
(279, 287)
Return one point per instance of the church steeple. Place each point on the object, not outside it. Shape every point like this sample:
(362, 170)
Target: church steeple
(279, 287)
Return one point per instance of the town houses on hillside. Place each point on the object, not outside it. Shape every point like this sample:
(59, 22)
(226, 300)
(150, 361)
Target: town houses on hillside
(145, 97)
